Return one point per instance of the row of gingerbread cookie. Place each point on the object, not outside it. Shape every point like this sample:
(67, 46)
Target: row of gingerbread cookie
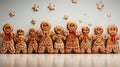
(72, 42)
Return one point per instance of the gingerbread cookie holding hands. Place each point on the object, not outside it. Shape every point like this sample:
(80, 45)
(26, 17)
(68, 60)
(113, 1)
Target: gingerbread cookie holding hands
(8, 43)
(58, 39)
(20, 41)
(112, 37)
(32, 39)
(45, 42)
(85, 45)
(72, 42)
(98, 44)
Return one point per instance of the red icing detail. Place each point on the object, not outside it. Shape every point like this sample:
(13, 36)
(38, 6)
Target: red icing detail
(9, 34)
(73, 32)
(113, 38)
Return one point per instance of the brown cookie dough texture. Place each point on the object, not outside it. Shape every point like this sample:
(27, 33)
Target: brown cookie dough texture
(112, 39)
(20, 41)
(45, 42)
(58, 39)
(72, 42)
(32, 39)
(98, 44)
(85, 45)
(8, 35)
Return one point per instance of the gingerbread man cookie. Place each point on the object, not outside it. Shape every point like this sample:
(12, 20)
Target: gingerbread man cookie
(20, 41)
(98, 44)
(8, 43)
(72, 42)
(12, 14)
(112, 37)
(35, 7)
(32, 39)
(45, 42)
(85, 45)
(51, 7)
(58, 39)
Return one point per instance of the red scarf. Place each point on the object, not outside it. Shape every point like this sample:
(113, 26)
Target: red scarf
(73, 32)
(113, 38)
(9, 35)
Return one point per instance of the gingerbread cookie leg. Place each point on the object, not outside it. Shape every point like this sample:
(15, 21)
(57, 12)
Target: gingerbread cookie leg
(3, 49)
(50, 49)
(62, 50)
(56, 50)
(11, 49)
(30, 49)
(68, 50)
(76, 50)
(17, 51)
(88, 50)
(24, 50)
(35, 49)
(95, 49)
(41, 49)
(82, 50)
(102, 49)
(116, 49)
(108, 49)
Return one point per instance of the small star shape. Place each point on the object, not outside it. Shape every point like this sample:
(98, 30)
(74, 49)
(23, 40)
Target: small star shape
(33, 21)
(100, 5)
(90, 24)
(51, 7)
(108, 15)
(66, 17)
(12, 13)
(80, 20)
(74, 1)
(35, 7)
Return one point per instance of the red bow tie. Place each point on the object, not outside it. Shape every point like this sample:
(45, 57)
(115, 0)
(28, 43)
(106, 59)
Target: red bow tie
(9, 35)
(73, 32)
(113, 38)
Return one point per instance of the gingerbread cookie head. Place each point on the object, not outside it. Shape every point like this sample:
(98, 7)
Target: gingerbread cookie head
(112, 29)
(58, 29)
(7, 28)
(20, 32)
(72, 25)
(32, 31)
(45, 25)
(98, 30)
(85, 29)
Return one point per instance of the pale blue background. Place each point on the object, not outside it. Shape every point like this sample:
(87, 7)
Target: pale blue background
(24, 13)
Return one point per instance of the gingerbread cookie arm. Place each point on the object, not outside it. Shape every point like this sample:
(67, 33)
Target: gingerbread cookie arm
(25, 39)
(81, 37)
(2, 35)
(54, 37)
(93, 37)
(39, 33)
(78, 33)
(66, 33)
(106, 36)
(64, 37)
(52, 33)
(118, 36)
